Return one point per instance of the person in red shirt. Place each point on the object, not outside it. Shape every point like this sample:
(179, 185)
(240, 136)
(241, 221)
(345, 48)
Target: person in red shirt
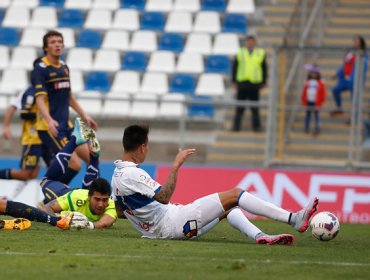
(313, 97)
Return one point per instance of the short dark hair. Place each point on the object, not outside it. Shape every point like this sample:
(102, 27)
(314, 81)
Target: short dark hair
(49, 34)
(251, 37)
(134, 136)
(362, 42)
(100, 185)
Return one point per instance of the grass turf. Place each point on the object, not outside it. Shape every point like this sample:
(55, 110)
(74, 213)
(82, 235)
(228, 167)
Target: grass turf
(45, 252)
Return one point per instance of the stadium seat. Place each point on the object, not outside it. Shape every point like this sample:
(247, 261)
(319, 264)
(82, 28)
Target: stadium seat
(13, 80)
(126, 19)
(152, 21)
(9, 36)
(186, 5)
(144, 40)
(116, 40)
(214, 5)
(126, 81)
(162, 61)
(106, 4)
(4, 3)
(226, 44)
(210, 84)
(171, 42)
(71, 18)
(98, 19)
(107, 60)
(23, 58)
(241, 6)
(198, 43)
(98, 81)
(201, 110)
(179, 22)
(183, 83)
(156, 83)
(25, 3)
(144, 106)
(158, 5)
(208, 22)
(80, 59)
(218, 64)
(91, 101)
(52, 3)
(32, 37)
(4, 57)
(77, 81)
(1, 15)
(45, 17)
(235, 23)
(68, 37)
(136, 61)
(133, 4)
(78, 4)
(18, 17)
(114, 107)
(172, 106)
(89, 39)
(190, 63)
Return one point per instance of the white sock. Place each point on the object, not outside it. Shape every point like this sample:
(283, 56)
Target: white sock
(257, 206)
(238, 220)
(208, 227)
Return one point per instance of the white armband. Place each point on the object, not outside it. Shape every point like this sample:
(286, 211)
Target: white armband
(91, 225)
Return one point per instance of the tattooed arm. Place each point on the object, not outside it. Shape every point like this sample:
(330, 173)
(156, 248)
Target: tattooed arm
(165, 193)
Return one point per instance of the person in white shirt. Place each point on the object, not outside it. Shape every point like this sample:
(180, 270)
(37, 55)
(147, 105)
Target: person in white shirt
(146, 203)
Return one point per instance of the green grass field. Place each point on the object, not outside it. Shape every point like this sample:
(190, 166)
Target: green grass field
(45, 252)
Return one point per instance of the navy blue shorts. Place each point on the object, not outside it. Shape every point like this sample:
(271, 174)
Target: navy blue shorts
(30, 156)
(55, 144)
(53, 189)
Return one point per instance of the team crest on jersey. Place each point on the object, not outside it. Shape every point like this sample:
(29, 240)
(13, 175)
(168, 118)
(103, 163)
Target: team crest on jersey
(52, 74)
(190, 229)
(43, 65)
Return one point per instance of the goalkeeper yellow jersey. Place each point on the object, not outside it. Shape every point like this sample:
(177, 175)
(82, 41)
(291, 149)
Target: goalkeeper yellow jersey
(78, 200)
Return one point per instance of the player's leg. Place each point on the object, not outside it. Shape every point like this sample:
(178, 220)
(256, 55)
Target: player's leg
(92, 170)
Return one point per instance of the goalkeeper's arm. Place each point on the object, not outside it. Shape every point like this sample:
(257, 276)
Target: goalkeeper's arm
(105, 221)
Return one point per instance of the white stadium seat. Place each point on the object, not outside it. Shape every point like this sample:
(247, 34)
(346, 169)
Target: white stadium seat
(32, 37)
(98, 19)
(210, 84)
(77, 81)
(117, 104)
(78, 4)
(208, 22)
(13, 80)
(91, 101)
(17, 17)
(241, 6)
(80, 59)
(106, 4)
(198, 43)
(23, 57)
(4, 57)
(226, 43)
(144, 106)
(190, 63)
(156, 83)
(144, 41)
(68, 37)
(4, 3)
(107, 60)
(126, 19)
(126, 81)
(45, 17)
(179, 22)
(186, 5)
(25, 3)
(116, 40)
(162, 61)
(172, 106)
(158, 5)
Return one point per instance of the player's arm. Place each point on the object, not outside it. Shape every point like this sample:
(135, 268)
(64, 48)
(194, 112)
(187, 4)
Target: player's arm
(41, 104)
(165, 193)
(105, 221)
(78, 109)
(7, 134)
(52, 207)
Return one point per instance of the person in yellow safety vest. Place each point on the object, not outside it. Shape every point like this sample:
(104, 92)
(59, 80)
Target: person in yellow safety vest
(249, 75)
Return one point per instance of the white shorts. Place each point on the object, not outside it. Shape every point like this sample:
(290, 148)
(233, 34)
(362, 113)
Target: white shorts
(186, 221)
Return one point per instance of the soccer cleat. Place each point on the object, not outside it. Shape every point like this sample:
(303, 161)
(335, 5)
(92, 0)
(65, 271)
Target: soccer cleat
(81, 132)
(15, 224)
(95, 146)
(280, 239)
(303, 217)
(65, 220)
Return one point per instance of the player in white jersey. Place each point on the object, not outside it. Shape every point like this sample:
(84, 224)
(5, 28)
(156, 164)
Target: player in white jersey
(146, 203)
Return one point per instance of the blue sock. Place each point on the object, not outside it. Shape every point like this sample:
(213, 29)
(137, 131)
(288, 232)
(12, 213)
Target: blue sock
(67, 177)
(5, 174)
(92, 172)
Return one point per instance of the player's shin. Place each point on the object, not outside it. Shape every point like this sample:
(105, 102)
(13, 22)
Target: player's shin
(239, 221)
(92, 172)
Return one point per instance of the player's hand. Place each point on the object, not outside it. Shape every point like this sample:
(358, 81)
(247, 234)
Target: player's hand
(53, 124)
(7, 134)
(91, 122)
(79, 221)
(181, 156)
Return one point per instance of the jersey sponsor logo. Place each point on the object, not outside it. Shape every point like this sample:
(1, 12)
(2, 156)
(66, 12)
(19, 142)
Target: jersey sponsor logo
(60, 85)
(80, 202)
(145, 226)
(52, 74)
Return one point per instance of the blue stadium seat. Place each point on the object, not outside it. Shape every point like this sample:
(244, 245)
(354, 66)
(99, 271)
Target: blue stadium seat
(133, 4)
(97, 81)
(53, 3)
(71, 18)
(218, 64)
(171, 42)
(136, 61)
(89, 39)
(235, 23)
(201, 110)
(214, 5)
(9, 36)
(152, 21)
(183, 83)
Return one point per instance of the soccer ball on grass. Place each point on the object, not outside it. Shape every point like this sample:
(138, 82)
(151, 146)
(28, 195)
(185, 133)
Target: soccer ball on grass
(325, 226)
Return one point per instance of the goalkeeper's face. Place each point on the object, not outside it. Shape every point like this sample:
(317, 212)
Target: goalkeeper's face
(98, 203)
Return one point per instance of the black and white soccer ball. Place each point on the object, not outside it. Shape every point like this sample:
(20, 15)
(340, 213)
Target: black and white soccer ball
(325, 226)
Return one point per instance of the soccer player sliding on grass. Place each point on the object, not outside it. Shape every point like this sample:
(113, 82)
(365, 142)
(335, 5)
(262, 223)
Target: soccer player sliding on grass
(90, 207)
(146, 203)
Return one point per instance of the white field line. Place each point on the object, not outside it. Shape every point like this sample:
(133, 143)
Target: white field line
(177, 258)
